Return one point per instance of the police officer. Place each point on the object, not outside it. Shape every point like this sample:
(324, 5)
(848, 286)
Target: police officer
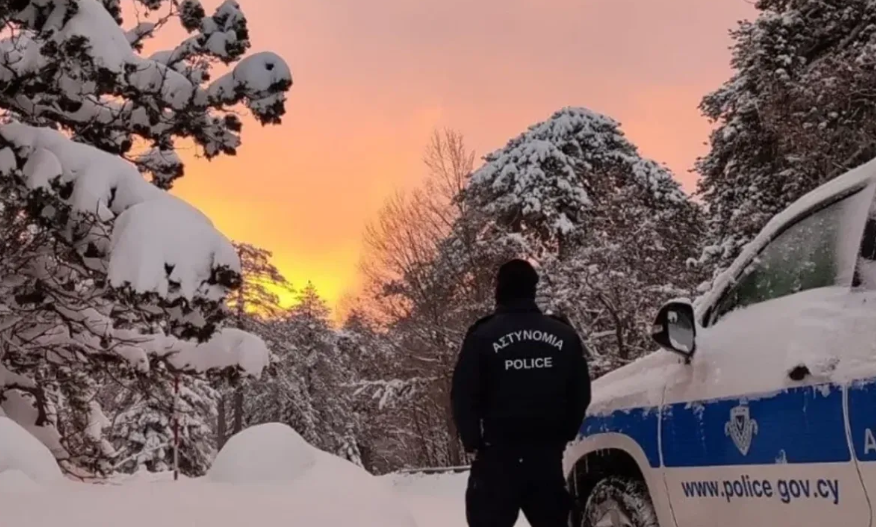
(520, 390)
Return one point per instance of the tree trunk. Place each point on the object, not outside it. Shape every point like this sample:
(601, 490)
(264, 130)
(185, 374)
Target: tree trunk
(622, 351)
(423, 459)
(453, 449)
(238, 409)
(222, 425)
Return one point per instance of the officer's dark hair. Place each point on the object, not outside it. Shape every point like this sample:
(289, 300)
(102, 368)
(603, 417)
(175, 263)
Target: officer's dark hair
(516, 280)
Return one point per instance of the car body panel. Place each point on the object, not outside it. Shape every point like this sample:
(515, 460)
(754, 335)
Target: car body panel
(731, 439)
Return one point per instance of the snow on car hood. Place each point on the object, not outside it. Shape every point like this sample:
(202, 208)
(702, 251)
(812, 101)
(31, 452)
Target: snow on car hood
(829, 330)
(636, 385)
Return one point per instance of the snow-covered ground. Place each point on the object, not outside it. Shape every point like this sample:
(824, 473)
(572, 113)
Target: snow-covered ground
(150, 501)
(435, 500)
(432, 501)
(265, 476)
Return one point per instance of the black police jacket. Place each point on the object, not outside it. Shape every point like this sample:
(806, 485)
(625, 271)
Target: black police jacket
(521, 380)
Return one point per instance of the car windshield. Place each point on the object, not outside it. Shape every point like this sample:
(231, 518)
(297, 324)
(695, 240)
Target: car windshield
(800, 258)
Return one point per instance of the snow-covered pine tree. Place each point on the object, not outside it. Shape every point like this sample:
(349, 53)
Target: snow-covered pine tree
(72, 64)
(260, 289)
(141, 427)
(309, 383)
(611, 230)
(255, 307)
(104, 270)
(798, 111)
(389, 397)
(325, 371)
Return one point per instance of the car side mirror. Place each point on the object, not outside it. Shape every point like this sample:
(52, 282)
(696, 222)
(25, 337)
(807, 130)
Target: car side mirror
(675, 328)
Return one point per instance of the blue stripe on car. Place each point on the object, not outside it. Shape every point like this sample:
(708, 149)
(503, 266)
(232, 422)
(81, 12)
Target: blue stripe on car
(639, 424)
(798, 425)
(862, 416)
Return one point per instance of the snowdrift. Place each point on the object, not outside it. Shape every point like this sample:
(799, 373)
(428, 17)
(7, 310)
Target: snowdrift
(324, 490)
(24, 460)
(270, 453)
(266, 476)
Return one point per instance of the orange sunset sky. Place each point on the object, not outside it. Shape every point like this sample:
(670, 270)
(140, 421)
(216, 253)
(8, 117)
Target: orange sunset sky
(373, 78)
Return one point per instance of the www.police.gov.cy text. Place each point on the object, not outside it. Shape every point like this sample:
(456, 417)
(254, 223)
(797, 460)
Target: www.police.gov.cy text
(747, 487)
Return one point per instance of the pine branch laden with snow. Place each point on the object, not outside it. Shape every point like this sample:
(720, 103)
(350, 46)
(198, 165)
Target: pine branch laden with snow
(798, 111)
(106, 278)
(228, 348)
(389, 393)
(69, 62)
(162, 256)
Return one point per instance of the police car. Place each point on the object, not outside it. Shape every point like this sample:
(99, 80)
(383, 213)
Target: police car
(761, 407)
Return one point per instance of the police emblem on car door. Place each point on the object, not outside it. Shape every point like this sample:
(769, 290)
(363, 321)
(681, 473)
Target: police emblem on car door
(741, 428)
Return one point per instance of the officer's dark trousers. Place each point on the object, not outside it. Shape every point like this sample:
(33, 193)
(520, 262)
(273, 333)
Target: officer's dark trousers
(505, 481)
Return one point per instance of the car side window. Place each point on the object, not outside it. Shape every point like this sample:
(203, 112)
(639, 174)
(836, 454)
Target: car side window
(865, 270)
(800, 258)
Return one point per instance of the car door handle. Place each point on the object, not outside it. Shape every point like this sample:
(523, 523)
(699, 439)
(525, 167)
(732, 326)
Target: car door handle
(799, 372)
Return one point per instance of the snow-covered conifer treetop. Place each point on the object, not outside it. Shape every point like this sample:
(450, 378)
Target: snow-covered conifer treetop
(541, 175)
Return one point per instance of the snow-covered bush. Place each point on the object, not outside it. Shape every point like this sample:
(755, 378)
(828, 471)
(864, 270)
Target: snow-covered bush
(106, 278)
(142, 425)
